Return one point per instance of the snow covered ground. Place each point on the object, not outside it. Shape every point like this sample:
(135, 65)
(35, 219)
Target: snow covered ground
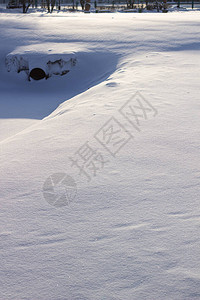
(123, 125)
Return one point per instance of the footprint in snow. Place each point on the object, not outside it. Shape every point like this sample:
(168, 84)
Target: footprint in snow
(111, 84)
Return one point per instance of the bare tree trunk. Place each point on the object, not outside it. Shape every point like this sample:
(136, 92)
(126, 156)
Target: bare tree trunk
(52, 5)
(48, 5)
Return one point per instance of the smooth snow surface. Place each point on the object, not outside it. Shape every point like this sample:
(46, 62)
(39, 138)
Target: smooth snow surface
(132, 231)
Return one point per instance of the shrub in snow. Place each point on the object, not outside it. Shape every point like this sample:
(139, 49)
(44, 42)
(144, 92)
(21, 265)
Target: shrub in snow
(39, 68)
(16, 63)
(60, 67)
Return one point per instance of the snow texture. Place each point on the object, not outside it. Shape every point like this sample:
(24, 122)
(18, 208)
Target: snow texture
(130, 229)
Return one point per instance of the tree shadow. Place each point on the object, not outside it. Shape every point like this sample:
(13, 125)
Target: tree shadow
(25, 99)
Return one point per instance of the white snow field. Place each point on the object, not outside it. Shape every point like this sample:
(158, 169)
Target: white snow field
(122, 127)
